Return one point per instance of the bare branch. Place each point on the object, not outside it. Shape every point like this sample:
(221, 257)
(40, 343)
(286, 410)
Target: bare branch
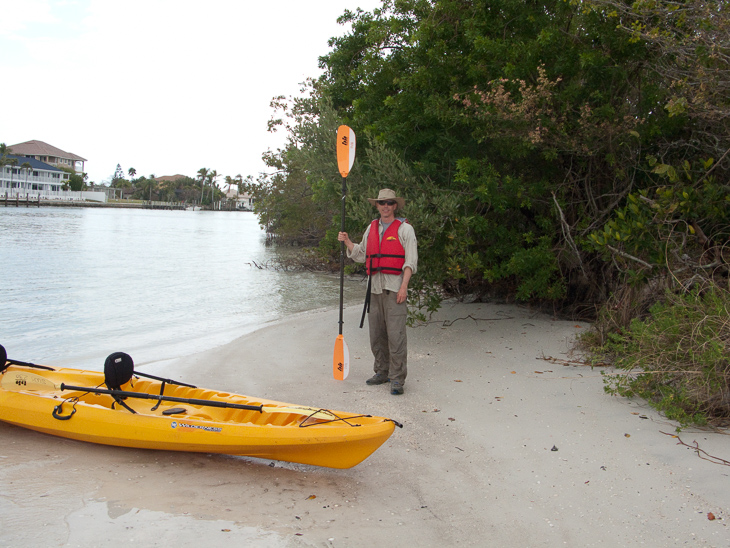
(630, 257)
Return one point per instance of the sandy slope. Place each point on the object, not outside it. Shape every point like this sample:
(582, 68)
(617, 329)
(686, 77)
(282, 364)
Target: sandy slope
(501, 447)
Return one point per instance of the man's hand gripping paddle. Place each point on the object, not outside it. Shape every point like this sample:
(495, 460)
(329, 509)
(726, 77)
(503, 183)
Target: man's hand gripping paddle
(345, 159)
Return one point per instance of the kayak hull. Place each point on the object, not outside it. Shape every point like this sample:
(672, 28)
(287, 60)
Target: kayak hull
(34, 399)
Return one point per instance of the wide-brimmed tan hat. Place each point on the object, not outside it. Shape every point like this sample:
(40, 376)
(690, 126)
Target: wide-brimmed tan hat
(387, 194)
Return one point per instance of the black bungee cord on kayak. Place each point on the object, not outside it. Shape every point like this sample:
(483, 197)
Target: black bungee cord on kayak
(119, 370)
(5, 362)
(57, 410)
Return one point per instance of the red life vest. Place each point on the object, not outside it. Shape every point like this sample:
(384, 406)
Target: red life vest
(387, 256)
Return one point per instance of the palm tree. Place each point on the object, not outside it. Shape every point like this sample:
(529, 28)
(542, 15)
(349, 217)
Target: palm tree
(152, 183)
(3, 158)
(132, 172)
(4, 151)
(239, 184)
(27, 167)
(230, 181)
(211, 178)
(203, 174)
(12, 163)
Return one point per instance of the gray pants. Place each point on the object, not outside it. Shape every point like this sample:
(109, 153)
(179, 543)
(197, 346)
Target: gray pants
(387, 321)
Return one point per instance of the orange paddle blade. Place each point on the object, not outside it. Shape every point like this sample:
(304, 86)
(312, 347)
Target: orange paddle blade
(345, 149)
(341, 360)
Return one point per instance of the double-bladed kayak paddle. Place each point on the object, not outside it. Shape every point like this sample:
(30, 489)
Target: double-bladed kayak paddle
(345, 159)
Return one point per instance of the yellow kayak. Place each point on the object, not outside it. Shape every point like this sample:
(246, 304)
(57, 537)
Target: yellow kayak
(131, 409)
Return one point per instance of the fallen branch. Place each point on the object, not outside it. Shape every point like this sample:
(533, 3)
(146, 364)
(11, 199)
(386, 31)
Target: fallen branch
(701, 453)
(449, 323)
(560, 361)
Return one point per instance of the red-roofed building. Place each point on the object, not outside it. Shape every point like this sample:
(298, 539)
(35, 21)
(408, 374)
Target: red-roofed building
(169, 178)
(48, 154)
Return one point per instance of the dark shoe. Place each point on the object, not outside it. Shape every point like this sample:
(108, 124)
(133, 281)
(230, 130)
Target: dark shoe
(396, 388)
(377, 379)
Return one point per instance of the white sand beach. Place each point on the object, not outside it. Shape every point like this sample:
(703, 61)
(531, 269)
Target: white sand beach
(506, 442)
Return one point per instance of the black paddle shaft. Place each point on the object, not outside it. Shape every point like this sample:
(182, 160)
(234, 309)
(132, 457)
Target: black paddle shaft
(342, 251)
(145, 396)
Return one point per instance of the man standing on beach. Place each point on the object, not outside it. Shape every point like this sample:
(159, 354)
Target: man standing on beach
(390, 253)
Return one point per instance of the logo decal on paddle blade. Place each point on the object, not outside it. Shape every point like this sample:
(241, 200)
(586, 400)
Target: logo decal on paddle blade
(341, 361)
(345, 149)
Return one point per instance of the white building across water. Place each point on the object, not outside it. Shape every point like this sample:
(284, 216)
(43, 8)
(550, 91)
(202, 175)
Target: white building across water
(28, 175)
(33, 169)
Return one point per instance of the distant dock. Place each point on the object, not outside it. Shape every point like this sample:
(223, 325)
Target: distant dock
(38, 201)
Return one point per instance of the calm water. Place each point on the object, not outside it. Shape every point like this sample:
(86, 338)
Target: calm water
(79, 284)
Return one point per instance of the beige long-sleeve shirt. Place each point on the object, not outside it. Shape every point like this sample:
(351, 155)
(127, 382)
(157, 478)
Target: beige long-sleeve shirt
(380, 281)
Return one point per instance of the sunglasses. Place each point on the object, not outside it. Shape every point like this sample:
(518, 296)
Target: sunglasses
(387, 202)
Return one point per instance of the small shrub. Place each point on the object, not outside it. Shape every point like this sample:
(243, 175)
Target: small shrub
(678, 358)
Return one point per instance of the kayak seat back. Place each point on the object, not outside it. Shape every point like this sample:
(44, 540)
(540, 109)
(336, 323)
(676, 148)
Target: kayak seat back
(118, 370)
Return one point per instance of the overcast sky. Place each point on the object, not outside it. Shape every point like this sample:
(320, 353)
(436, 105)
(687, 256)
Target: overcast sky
(164, 86)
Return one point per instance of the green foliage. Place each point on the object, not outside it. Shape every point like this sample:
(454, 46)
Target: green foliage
(182, 189)
(145, 188)
(300, 199)
(678, 359)
(537, 270)
(519, 134)
(76, 182)
(692, 36)
(677, 225)
(494, 106)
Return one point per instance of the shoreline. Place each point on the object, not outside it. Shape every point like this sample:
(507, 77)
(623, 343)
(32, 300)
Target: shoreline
(500, 447)
(170, 206)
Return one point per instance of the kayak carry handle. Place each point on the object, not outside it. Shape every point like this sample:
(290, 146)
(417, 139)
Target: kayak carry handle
(57, 412)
